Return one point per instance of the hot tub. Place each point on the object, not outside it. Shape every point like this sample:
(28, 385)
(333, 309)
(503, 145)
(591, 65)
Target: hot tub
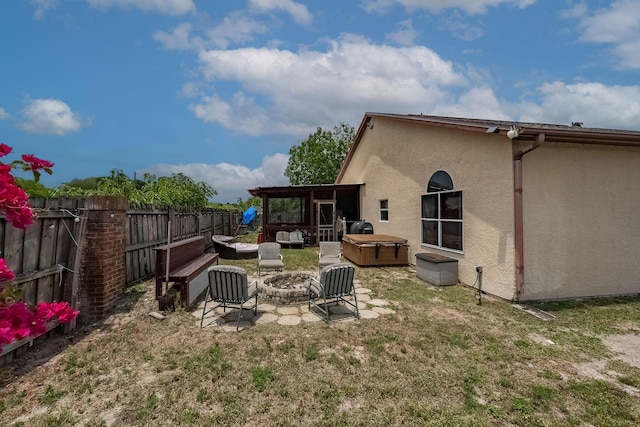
(375, 249)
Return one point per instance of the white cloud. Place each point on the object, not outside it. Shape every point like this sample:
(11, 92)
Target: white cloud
(50, 116)
(235, 28)
(3, 114)
(594, 104)
(286, 92)
(231, 181)
(41, 6)
(298, 11)
(379, 7)
(178, 39)
(167, 7)
(405, 35)
(471, 7)
(190, 90)
(461, 29)
(478, 102)
(579, 10)
(619, 26)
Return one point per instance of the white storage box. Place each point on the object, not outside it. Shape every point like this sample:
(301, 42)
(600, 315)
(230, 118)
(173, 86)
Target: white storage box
(437, 269)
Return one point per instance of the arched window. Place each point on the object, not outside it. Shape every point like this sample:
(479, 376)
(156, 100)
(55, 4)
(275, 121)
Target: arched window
(442, 213)
(440, 181)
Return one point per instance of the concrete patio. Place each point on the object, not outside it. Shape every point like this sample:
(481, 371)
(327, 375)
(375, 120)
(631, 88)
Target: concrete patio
(291, 314)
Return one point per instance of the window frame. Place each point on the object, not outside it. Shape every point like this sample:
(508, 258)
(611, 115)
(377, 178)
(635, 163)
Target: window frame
(439, 220)
(382, 210)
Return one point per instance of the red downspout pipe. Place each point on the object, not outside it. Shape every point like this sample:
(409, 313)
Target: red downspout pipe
(518, 212)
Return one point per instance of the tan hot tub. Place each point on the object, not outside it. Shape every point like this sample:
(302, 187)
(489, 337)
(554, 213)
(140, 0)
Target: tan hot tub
(375, 249)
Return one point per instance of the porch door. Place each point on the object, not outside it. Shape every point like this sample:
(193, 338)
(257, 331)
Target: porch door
(326, 215)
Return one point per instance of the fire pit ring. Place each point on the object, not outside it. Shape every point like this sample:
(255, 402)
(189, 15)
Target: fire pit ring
(286, 288)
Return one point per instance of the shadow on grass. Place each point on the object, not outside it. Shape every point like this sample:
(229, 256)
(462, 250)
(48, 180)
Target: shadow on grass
(46, 347)
(586, 304)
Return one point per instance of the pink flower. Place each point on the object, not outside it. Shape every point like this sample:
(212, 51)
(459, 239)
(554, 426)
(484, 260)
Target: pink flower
(4, 149)
(44, 311)
(15, 202)
(17, 320)
(5, 273)
(36, 163)
(62, 310)
(67, 315)
(6, 334)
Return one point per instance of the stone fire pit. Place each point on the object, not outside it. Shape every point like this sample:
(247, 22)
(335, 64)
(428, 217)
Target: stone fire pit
(286, 288)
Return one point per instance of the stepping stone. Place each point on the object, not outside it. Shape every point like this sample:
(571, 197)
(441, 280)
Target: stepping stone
(369, 314)
(231, 326)
(383, 310)
(288, 310)
(209, 315)
(246, 315)
(220, 310)
(289, 320)
(378, 302)
(342, 317)
(364, 298)
(311, 317)
(266, 307)
(211, 321)
(363, 291)
(304, 308)
(265, 318)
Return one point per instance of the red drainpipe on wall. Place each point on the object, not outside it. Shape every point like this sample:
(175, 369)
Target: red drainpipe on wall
(518, 212)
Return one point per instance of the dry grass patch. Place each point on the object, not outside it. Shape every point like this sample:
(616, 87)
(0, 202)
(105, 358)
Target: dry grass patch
(440, 360)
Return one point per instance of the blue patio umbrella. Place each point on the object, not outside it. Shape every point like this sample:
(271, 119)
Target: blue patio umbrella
(248, 215)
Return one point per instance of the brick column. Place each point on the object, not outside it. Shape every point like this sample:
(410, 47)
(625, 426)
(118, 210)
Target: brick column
(103, 266)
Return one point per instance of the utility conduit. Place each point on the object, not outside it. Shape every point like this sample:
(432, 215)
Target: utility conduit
(518, 211)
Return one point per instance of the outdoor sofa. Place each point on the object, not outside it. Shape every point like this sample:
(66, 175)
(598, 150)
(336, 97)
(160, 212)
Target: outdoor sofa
(228, 248)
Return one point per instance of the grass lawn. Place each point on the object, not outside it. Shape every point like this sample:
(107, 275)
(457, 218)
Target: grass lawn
(440, 360)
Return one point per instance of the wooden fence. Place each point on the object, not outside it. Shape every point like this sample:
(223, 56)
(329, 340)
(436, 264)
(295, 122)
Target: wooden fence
(47, 256)
(148, 227)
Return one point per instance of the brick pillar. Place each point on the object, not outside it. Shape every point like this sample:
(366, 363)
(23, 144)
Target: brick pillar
(103, 267)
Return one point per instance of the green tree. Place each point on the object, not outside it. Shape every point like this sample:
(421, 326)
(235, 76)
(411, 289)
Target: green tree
(90, 183)
(251, 201)
(318, 159)
(118, 184)
(34, 188)
(179, 190)
(175, 190)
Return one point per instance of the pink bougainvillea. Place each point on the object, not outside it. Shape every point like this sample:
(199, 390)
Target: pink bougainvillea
(17, 319)
(4, 149)
(5, 273)
(36, 163)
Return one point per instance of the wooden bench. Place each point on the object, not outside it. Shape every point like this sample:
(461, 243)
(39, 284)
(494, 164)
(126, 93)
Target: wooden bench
(187, 268)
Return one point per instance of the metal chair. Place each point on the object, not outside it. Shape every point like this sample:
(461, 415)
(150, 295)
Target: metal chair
(282, 237)
(296, 238)
(330, 253)
(269, 257)
(336, 281)
(229, 286)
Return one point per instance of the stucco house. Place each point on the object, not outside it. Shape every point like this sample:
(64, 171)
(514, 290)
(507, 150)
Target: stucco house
(547, 211)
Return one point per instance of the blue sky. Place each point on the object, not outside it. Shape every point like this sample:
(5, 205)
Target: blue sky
(221, 90)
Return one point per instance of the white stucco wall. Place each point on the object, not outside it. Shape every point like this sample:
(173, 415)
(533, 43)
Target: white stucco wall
(581, 221)
(395, 161)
